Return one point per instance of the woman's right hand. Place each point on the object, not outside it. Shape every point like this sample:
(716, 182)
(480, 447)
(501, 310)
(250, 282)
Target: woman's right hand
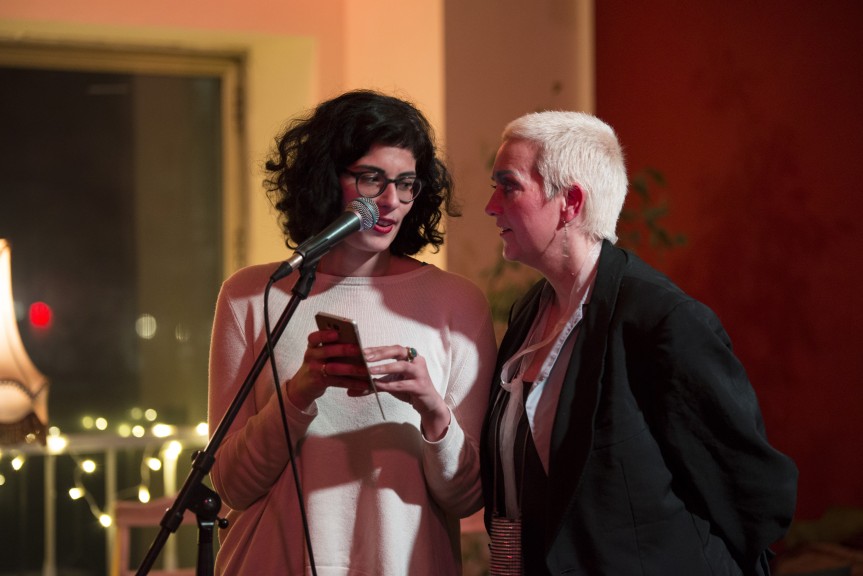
(318, 373)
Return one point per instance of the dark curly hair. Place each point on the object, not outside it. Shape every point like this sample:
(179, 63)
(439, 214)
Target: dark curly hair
(304, 168)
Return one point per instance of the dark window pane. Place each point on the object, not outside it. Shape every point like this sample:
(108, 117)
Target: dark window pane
(111, 198)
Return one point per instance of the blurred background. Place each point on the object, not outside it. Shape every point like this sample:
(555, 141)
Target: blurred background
(131, 143)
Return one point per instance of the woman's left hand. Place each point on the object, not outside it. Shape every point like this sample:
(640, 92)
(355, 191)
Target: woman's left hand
(407, 379)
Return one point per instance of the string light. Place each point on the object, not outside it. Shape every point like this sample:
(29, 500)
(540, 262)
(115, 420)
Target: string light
(87, 466)
(172, 450)
(143, 494)
(155, 457)
(148, 462)
(163, 430)
(56, 444)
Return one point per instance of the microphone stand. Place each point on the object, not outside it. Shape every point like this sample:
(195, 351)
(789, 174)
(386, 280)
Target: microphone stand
(195, 495)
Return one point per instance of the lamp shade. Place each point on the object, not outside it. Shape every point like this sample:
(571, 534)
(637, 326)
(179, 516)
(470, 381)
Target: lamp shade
(23, 389)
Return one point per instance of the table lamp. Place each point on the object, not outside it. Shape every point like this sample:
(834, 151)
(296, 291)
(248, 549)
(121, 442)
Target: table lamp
(23, 389)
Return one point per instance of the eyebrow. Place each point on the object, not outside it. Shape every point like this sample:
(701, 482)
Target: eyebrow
(370, 168)
(500, 174)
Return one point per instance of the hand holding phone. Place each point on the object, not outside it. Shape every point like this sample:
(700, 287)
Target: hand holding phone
(349, 334)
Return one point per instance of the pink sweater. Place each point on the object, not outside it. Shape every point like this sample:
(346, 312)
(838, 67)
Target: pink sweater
(380, 499)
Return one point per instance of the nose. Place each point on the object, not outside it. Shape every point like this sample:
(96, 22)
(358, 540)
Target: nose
(492, 207)
(389, 198)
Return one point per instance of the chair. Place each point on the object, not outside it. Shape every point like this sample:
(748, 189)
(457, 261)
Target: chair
(130, 514)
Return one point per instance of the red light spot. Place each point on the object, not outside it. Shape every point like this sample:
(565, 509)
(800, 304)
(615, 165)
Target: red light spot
(40, 315)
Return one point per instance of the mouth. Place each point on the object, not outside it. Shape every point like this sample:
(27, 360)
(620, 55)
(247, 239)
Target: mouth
(384, 225)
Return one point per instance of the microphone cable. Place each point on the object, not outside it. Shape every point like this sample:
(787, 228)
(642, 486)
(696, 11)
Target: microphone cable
(282, 411)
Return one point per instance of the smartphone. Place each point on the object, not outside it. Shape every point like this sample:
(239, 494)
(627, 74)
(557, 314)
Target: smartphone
(349, 333)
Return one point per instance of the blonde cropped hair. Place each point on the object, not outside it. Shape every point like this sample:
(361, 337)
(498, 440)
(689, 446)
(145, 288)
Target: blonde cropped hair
(574, 148)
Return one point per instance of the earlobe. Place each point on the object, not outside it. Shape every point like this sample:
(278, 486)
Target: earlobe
(573, 203)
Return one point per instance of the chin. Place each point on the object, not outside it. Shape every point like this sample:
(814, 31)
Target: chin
(510, 254)
(377, 247)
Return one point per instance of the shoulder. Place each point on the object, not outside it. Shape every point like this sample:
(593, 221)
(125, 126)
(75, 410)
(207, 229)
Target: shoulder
(636, 282)
(451, 300)
(450, 285)
(249, 282)
(254, 273)
(648, 297)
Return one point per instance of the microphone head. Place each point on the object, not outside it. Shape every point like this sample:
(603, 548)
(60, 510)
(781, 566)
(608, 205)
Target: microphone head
(366, 210)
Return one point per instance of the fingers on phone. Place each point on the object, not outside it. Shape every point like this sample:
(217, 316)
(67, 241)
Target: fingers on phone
(321, 337)
(347, 350)
(348, 367)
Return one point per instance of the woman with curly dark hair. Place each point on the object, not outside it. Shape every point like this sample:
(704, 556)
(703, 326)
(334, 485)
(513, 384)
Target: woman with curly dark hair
(383, 485)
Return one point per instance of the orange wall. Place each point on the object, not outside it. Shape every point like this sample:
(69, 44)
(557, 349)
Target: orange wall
(752, 110)
(297, 53)
(322, 20)
(504, 59)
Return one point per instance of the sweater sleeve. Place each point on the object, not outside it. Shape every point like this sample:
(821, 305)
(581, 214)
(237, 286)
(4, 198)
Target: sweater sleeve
(254, 452)
(707, 419)
(451, 465)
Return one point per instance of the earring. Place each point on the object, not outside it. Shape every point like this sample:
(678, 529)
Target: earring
(565, 238)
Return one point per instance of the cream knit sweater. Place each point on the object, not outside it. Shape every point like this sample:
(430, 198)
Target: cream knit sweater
(380, 499)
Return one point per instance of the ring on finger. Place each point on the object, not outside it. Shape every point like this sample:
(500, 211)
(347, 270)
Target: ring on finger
(411, 352)
(324, 370)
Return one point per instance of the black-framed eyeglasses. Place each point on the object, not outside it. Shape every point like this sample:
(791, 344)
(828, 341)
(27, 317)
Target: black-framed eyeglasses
(371, 184)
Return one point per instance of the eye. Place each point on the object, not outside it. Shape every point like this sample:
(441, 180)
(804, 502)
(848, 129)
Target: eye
(505, 186)
(405, 184)
(369, 178)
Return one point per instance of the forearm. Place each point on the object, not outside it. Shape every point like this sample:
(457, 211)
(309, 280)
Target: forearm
(451, 467)
(435, 422)
(252, 457)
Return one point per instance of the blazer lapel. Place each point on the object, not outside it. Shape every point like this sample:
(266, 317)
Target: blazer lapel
(572, 434)
(520, 319)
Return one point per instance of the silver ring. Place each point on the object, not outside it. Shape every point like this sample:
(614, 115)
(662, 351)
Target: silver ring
(412, 353)
(324, 370)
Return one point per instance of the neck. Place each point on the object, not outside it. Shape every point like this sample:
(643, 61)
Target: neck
(569, 277)
(345, 263)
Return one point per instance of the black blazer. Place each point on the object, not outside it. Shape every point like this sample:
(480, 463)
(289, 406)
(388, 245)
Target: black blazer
(659, 462)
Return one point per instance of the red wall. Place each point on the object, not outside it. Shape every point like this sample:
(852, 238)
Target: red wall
(752, 111)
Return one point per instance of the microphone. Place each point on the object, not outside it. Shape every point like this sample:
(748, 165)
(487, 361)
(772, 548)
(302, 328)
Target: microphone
(360, 214)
